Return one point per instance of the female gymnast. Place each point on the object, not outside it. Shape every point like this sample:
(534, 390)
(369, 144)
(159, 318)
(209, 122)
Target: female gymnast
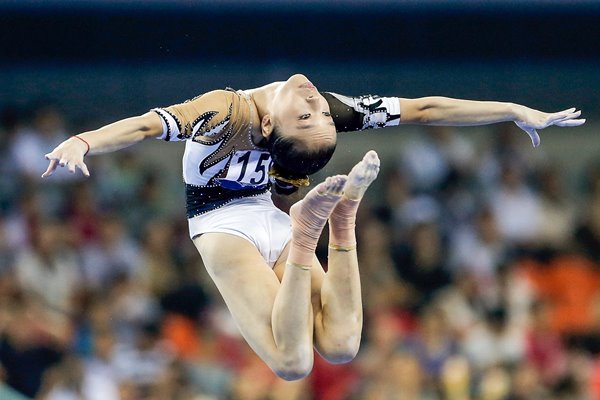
(239, 144)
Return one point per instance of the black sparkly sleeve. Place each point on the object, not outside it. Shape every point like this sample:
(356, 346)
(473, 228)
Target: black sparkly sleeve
(344, 116)
(362, 112)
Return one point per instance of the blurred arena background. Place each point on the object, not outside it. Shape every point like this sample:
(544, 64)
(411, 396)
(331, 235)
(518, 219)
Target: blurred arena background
(480, 255)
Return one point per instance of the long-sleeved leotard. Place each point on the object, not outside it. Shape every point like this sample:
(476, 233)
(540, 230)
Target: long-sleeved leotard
(221, 162)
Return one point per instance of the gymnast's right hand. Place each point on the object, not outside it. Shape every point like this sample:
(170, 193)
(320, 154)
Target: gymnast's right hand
(68, 154)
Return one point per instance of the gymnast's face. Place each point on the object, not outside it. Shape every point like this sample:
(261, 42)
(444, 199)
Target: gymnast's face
(299, 110)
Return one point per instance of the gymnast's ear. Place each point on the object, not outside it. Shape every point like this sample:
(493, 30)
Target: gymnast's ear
(266, 126)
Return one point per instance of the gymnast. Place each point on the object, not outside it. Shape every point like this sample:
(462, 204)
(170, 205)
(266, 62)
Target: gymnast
(239, 146)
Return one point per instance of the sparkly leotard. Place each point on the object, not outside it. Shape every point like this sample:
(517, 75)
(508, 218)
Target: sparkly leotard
(221, 162)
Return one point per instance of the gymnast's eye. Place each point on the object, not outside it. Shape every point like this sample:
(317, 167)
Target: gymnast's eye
(327, 113)
(304, 116)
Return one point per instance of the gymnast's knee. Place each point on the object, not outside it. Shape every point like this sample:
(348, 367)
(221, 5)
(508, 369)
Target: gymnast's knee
(341, 351)
(294, 367)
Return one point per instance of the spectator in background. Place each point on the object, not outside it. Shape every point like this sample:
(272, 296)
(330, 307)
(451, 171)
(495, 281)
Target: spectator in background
(64, 381)
(456, 378)
(114, 254)
(432, 344)
(458, 152)
(512, 291)
(174, 383)
(149, 201)
(506, 148)
(143, 361)
(494, 384)
(48, 269)
(158, 271)
(494, 341)
(131, 306)
(587, 234)
(516, 208)
(544, 349)
(557, 210)
(7, 254)
(381, 286)
(424, 163)
(99, 370)
(386, 332)
(527, 384)
(10, 124)
(83, 216)
(402, 378)
(398, 199)
(462, 302)
(31, 341)
(30, 143)
(422, 264)
(476, 250)
(118, 180)
(23, 220)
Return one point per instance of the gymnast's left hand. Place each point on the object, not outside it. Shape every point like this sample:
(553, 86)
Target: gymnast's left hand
(68, 154)
(531, 120)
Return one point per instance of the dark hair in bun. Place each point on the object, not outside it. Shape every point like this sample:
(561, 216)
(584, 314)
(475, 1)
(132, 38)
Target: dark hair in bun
(293, 161)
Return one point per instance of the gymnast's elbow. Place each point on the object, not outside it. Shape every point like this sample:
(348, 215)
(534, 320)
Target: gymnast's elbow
(148, 126)
(421, 111)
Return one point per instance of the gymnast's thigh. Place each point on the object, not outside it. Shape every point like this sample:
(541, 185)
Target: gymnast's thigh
(248, 285)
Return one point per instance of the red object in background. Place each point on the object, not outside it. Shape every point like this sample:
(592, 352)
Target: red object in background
(569, 284)
(546, 353)
(332, 382)
(595, 380)
(182, 334)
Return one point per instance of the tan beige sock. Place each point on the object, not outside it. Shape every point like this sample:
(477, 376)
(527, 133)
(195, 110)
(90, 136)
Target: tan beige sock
(342, 221)
(309, 217)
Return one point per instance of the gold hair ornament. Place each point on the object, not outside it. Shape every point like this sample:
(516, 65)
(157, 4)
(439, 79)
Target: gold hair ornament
(303, 181)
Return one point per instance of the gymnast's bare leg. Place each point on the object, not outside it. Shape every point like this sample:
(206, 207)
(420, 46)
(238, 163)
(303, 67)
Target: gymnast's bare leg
(275, 318)
(338, 307)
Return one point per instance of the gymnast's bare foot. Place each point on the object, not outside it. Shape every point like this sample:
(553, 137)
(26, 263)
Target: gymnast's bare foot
(343, 218)
(361, 176)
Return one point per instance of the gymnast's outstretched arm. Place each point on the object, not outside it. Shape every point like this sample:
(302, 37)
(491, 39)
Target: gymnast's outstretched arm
(366, 112)
(115, 136)
(457, 112)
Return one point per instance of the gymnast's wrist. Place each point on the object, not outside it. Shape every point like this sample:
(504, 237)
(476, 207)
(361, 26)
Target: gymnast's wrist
(82, 142)
(517, 112)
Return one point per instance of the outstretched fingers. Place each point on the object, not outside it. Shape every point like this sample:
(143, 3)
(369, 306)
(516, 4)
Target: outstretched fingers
(570, 122)
(535, 137)
(566, 118)
(84, 169)
(539, 120)
(71, 166)
(51, 168)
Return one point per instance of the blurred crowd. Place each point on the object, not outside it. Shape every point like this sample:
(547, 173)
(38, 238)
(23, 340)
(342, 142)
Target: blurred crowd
(480, 270)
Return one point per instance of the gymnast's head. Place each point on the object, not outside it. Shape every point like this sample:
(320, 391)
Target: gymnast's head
(298, 130)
